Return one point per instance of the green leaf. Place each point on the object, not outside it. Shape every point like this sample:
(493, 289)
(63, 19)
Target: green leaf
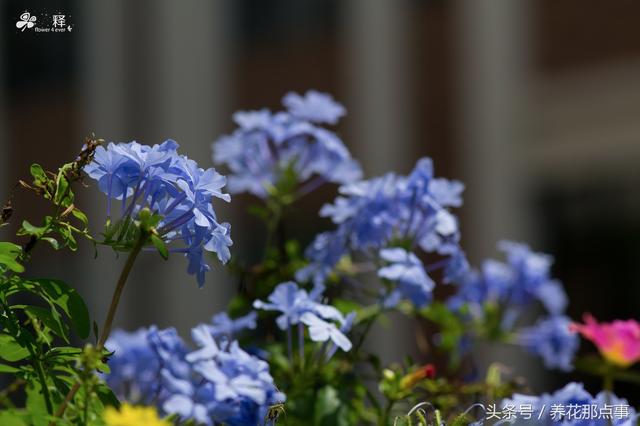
(9, 253)
(29, 229)
(54, 243)
(50, 320)
(462, 420)
(326, 406)
(106, 395)
(36, 406)
(402, 421)
(62, 190)
(11, 350)
(39, 175)
(160, 245)
(4, 368)
(79, 214)
(69, 300)
(9, 248)
(67, 236)
(12, 418)
(11, 263)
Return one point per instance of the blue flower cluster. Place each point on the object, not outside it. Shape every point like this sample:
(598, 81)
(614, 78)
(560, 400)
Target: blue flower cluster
(374, 215)
(407, 271)
(551, 339)
(171, 185)
(296, 307)
(217, 383)
(515, 285)
(523, 279)
(134, 366)
(267, 144)
(569, 402)
(223, 326)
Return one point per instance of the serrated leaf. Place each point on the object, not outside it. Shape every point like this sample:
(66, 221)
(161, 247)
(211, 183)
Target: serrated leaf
(10, 350)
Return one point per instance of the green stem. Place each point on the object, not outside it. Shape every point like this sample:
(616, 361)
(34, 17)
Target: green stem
(108, 322)
(115, 299)
(14, 329)
(384, 419)
(272, 225)
(43, 382)
(290, 344)
(366, 330)
(438, 418)
(87, 392)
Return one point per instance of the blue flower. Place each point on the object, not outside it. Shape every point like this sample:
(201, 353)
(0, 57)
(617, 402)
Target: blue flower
(344, 329)
(266, 145)
(373, 214)
(222, 325)
(172, 186)
(551, 339)
(233, 387)
(288, 299)
(325, 251)
(513, 285)
(204, 339)
(314, 106)
(217, 383)
(570, 401)
(134, 366)
(322, 331)
(298, 307)
(292, 302)
(407, 271)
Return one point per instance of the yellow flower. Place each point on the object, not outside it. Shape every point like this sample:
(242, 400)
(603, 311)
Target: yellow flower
(130, 415)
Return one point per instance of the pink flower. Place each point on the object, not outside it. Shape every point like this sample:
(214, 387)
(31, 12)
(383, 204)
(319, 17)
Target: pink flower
(617, 341)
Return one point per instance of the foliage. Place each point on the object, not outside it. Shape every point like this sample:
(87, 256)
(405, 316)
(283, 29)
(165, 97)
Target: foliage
(292, 347)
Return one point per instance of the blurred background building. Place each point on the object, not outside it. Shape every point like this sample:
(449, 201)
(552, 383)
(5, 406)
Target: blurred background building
(533, 104)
